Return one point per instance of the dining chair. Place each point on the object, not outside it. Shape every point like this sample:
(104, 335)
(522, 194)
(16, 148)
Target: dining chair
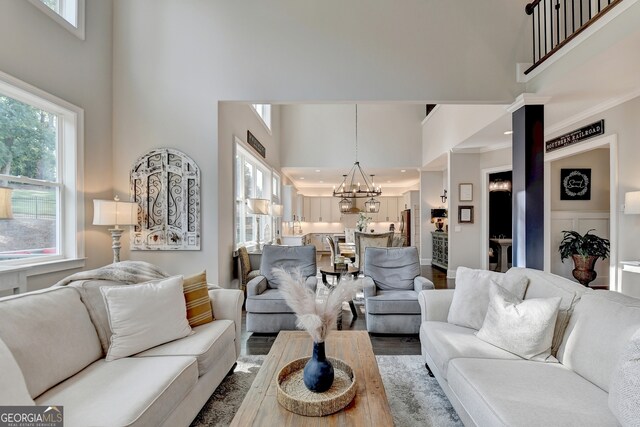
(366, 240)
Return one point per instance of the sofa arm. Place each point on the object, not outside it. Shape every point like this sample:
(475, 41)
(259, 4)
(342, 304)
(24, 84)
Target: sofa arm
(227, 304)
(311, 283)
(368, 287)
(435, 303)
(256, 286)
(422, 284)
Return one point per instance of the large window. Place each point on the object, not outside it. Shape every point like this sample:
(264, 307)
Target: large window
(40, 180)
(68, 13)
(253, 179)
(264, 111)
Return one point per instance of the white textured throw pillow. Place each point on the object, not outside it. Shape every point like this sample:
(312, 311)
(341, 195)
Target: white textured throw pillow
(471, 295)
(144, 316)
(624, 389)
(524, 328)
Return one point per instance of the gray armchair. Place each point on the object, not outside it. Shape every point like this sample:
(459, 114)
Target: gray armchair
(267, 311)
(392, 282)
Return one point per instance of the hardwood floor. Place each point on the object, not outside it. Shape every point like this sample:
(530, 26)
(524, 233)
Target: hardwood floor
(260, 344)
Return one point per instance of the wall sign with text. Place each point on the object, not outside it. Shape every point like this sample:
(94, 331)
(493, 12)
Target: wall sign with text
(575, 184)
(253, 141)
(578, 135)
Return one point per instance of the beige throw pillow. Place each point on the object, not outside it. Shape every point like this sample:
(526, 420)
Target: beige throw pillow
(471, 295)
(196, 296)
(144, 316)
(524, 328)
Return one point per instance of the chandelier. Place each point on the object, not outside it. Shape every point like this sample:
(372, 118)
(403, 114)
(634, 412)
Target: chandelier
(356, 185)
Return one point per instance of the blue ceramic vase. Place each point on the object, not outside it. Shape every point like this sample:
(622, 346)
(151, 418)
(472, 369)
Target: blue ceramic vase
(318, 372)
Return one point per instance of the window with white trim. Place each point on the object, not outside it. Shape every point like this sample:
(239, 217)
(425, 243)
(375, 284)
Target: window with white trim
(253, 179)
(41, 217)
(264, 111)
(68, 13)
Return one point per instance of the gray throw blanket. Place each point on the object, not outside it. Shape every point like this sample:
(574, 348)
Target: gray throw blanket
(125, 271)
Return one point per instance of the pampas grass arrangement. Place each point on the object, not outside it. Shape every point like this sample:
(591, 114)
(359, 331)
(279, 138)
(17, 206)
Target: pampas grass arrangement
(316, 317)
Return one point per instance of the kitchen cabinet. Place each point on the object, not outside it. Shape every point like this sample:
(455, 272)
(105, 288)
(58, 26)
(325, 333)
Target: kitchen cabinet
(314, 210)
(289, 201)
(325, 209)
(296, 240)
(336, 215)
(440, 246)
(306, 209)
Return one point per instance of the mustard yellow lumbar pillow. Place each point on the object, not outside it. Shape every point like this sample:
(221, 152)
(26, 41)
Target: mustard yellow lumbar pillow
(196, 296)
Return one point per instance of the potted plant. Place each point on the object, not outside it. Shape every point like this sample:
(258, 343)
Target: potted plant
(585, 251)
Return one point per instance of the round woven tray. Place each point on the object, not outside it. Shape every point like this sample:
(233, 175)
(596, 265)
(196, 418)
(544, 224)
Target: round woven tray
(294, 395)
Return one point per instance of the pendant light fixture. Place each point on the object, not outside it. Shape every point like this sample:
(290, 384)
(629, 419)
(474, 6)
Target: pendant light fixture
(355, 185)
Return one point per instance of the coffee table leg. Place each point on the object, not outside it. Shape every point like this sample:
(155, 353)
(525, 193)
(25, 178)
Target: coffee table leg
(353, 309)
(324, 279)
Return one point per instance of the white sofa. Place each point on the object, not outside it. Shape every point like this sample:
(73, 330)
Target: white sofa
(488, 386)
(51, 354)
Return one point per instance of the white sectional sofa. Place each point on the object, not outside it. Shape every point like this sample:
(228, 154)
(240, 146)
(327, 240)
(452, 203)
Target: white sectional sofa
(489, 386)
(51, 354)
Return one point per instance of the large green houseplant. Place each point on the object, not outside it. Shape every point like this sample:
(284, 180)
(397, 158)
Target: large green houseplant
(585, 251)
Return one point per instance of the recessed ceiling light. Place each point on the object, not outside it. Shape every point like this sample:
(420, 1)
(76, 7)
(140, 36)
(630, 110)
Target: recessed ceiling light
(508, 132)
(403, 170)
(317, 170)
(302, 177)
(321, 182)
(388, 181)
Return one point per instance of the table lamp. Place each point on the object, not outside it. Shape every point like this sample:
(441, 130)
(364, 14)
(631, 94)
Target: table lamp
(258, 207)
(116, 213)
(437, 217)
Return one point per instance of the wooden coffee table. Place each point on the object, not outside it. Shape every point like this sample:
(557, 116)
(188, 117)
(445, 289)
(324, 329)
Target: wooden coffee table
(370, 407)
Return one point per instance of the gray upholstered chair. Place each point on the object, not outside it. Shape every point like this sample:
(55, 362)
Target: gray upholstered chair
(392, 282)
(267, 311)
(365, 240)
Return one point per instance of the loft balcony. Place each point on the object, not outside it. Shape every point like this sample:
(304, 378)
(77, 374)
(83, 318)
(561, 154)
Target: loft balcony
(556, 22)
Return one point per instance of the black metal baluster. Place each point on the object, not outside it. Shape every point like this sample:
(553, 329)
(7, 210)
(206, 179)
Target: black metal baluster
(581, 1)
(544, 4)
(599, 8)
(558, 21)
(573, 16)
(533, 35)
(539, 45)
(564, 11)
(590, 15)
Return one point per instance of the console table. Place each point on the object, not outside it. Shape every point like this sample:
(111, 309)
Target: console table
(440, 245)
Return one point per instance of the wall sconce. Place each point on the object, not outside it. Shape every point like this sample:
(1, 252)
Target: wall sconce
(116, 213)
(632, 203)
(444, 197)
(438, 216)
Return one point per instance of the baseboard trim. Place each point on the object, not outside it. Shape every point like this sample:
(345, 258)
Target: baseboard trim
(425, 261)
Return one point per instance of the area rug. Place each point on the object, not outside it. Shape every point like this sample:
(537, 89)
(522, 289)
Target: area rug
(415, 398)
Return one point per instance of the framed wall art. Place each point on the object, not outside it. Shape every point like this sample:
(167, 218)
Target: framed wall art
(465, 192)
(165, 183)
(575, 184)
(465, 214)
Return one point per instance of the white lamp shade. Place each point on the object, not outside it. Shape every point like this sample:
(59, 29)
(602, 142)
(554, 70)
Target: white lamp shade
(113, 212)
(277, 210)
(258, 206)
(632, 202)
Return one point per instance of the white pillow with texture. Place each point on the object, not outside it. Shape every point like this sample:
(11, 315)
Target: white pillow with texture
(624, 390)
(524, 328)
(471, 295)
(144, 316)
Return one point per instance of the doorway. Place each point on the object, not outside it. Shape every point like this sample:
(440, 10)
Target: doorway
(496, 223)
(596, 211)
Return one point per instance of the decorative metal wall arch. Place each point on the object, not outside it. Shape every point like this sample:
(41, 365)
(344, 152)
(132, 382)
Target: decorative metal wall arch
(165, 183)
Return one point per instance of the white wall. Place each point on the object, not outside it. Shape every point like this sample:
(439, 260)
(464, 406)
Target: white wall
(323, 135)
(622, 120)
(234, 119)
(431, 187)
(450, 125)
(39, 51)
(173, 62)
(466, 247)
